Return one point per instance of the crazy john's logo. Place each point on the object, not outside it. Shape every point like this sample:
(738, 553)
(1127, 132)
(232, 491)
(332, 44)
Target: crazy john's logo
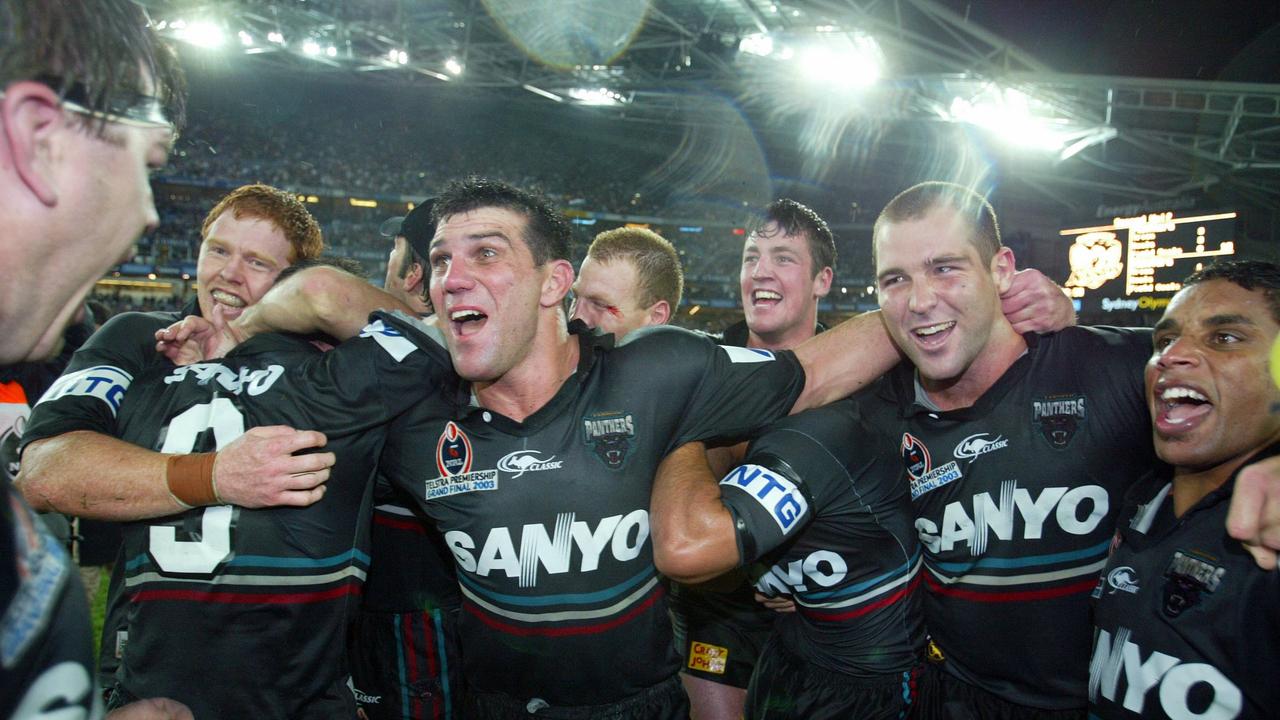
(1186, 579)
(453, 451)
(915, 456)
(1057, 417)
(610, 435)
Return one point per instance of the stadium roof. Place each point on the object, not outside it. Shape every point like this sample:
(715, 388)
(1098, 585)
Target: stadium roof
(935, 68)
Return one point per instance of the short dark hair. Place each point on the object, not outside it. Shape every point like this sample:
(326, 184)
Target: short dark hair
(1248, 274)
(792, 218)
(546, 232)
(655, 260)
(919, 200)
(100, 54)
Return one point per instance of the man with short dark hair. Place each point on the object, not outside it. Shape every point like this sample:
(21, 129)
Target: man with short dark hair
(407, 262)
(1185, 623)
(630, 278)
(91, 101)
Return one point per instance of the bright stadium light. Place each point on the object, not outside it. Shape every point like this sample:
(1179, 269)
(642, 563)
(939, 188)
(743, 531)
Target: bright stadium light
(331, 51)
(596, 96)
(275, 37)
(852, 62)
(758, 44)
(311, 47)
(245, 38)
(200, 33)
(1013, 116)
(453, 66)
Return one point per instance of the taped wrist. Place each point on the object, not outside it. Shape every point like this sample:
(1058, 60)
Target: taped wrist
(768, 502)
(190, 479)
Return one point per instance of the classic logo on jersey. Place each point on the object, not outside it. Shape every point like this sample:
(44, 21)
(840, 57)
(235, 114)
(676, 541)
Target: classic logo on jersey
(924, 477)
(1121, 673)
(746, 355)
(708, 658)
(453, 460)
(1186, 579)
(979, 444)
(522, 461)
(621, 536)
(235, 381)
(776, 494)
(1122, 579)
(1057, 417)
(609, 435)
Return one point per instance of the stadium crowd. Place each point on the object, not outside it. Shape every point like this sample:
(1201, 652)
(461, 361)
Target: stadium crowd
(503, 486)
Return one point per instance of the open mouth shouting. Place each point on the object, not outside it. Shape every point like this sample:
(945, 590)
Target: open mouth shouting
(466, 321)
(1179, 408)
(765, 298)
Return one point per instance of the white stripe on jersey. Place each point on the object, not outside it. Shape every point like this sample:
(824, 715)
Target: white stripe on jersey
(251, 580)
(870, 594)
(1028, 579)
(603, 612)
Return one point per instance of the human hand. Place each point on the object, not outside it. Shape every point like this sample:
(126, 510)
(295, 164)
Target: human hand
(779, 603)
(260, 468)
(1034, 303)
(1254, 515)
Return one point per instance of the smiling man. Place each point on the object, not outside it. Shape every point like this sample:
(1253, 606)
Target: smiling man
(1179, 597)
(1017, 449)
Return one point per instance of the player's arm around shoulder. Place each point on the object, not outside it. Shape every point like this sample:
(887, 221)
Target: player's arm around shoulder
(694, 538)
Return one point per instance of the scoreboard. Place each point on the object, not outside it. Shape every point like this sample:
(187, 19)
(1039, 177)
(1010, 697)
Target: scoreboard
(1137, 263)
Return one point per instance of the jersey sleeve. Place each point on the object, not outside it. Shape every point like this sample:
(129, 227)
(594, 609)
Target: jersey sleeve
(376, 376)
(736, 391)
(88, 394)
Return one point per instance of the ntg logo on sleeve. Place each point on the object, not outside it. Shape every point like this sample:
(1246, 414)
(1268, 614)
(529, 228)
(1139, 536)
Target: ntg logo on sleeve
(775, 493)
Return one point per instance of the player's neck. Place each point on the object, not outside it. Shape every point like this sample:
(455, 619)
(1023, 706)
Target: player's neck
(1002, 350)
(786, 339)
(537, 377)
(1190, 485)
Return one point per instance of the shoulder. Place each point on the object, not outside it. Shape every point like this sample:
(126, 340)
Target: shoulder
(1101, 337)
(839, 428)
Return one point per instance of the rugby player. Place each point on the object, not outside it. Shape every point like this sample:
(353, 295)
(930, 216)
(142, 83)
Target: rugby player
(631, 278)
(406, 264)
(90, 102)
(218, 598)
(1185, 623)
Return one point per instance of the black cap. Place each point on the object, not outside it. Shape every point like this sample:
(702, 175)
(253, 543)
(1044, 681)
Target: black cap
(416, 227)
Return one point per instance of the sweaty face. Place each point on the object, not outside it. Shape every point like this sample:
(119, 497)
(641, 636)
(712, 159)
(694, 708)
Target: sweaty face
(939, 300)
(239, 261)
(1208, 385)
(606, 296)
(486, 290)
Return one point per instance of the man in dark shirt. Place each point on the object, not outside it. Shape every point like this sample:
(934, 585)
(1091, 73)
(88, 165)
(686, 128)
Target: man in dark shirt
(1185, 623)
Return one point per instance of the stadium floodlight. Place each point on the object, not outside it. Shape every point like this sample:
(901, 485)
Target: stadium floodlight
(245, 38)
(1023, 121)
(453, 66)
(275, 37)
(331, 51)
(848, 61)
(200, 33)
(596, 96)
(311, 47)
(758, 44)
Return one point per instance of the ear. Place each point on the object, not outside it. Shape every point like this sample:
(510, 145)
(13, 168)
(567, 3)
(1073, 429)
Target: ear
(559, 278)
(30, 116)
(412, 282)
(822, 281)
(1003, 266)
(659, 313)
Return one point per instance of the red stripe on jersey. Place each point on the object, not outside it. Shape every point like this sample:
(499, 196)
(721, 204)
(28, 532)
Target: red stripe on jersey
(247, 598)
(882, 602)
(411, 663)
(563, 631)
(1083, 586)
(415, 526)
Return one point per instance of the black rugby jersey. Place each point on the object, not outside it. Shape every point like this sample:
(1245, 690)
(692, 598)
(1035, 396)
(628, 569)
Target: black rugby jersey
(237, 612)
(548, 518)
(1015, 501)
(1185, 623)
(825, 490)
(46, 653)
